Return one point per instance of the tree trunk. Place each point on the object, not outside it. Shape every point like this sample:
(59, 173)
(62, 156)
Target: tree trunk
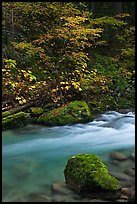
(95, 7)
(12, 21)
(16, 110)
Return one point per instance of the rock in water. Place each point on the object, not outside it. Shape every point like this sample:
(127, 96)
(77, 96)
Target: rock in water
(87, 174)
(118, 156)
(71, 113)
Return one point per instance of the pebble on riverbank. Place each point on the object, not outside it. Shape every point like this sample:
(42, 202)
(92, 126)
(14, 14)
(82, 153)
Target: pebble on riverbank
(118, 156)
(132, 156)
(130, 172)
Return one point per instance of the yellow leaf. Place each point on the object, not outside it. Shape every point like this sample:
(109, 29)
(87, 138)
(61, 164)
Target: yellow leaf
(25, 74)
(21, 102)
(31, 78)
(54, 90)
(33, 87)
(62, 82)
(18, 98)
(67, 87)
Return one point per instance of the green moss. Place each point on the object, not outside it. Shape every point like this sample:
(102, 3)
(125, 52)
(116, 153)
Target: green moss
(15, 120)
(5, 113)
(125, 103)
(36, 111)
(87, 172)
(74, 112)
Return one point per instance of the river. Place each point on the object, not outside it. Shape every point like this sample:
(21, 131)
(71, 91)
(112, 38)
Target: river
(35, 156)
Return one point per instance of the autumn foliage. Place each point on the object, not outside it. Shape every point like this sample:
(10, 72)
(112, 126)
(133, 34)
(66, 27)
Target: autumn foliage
(57, 52)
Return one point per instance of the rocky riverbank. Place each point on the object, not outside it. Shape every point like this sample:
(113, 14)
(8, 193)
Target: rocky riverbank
(71, 113)
(121, 165)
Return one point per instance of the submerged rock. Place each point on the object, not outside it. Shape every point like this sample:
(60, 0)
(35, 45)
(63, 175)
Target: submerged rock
(126, 191)
(87, 174)
(120, 176)
(61, 193)
(132, 156)
(130, 172)
(38, 197)
(131, 186)
(74, 112)
(61, 189)
(118, 156)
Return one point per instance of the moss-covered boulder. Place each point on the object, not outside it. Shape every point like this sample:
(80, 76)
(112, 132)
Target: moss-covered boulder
(15, 120)
(86, 173)
(73, 112)
(5, 114)
(36, 111)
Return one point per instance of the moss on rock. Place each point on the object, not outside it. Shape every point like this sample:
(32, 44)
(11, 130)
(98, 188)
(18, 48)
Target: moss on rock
(15, 120)
(5, 114)
(36, 111)
(87, 173)
(74, 112)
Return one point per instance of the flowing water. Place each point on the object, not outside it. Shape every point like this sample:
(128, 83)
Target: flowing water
(35, 156)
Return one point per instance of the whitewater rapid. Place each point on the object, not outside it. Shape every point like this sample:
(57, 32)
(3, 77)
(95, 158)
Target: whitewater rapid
(109, 131)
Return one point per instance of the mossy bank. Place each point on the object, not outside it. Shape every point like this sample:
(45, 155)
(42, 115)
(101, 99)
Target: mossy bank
(15, 120)
(78, 111)
(71, 113)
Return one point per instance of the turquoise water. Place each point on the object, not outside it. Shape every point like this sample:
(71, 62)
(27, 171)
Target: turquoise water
(35, 156)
